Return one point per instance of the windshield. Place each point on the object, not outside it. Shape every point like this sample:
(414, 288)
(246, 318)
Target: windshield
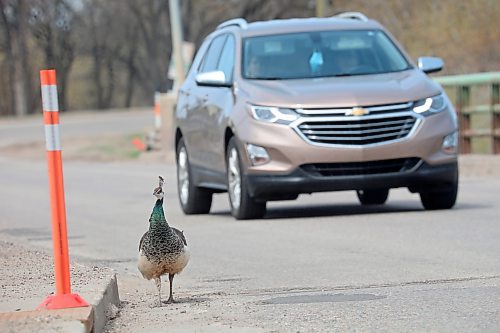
(320, 54)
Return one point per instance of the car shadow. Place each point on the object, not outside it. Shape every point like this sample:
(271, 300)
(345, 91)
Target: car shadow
(304, 211)
(324, 210)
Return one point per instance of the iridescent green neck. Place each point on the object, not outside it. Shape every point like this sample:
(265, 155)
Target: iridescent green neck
(158, 216)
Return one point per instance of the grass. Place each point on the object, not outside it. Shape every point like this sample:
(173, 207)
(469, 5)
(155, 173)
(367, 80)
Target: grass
(110, 149)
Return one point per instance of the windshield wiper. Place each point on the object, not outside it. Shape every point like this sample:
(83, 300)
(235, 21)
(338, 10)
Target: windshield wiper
(344, 74)
(268, 78)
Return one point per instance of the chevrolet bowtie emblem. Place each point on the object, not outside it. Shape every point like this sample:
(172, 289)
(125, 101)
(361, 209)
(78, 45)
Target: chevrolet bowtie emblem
(357, 112)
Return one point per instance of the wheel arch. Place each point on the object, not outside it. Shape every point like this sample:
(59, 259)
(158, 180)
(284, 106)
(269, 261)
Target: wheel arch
(228, 134)
(178, 137)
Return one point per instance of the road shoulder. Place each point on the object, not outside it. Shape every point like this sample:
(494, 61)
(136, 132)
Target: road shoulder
(26, 277)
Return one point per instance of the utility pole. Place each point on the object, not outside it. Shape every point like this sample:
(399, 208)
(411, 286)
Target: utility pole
(177, 41)
(321, 8)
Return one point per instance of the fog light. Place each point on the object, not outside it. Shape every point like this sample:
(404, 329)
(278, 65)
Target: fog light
(450, 143)
(258, 155)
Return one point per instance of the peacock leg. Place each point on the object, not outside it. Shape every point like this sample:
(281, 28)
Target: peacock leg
(158, 286)
(171, 279)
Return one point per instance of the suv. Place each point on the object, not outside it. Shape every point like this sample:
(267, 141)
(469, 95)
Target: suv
(273, 109)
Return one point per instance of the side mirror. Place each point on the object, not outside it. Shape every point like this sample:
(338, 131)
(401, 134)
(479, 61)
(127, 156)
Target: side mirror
(213, 79)
(430, 64)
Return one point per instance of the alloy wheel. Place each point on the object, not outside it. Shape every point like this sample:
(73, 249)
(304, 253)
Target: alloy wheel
(234, 179)
(183, 176)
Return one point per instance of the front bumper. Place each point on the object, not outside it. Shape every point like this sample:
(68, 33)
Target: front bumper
(424, 178)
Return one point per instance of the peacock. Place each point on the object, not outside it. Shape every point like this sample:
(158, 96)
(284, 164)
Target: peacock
(162, 249)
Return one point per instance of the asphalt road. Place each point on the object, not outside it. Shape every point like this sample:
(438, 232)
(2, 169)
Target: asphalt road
(402, 267)
(321, 263)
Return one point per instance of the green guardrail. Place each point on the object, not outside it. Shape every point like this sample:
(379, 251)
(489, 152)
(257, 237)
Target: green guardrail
(476, 99)
(469, 79)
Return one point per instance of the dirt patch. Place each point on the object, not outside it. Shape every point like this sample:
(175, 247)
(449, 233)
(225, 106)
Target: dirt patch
(97, 149)
(195, 310)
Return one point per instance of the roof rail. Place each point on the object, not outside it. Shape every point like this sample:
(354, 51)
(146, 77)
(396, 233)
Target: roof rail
(239, 22)
(352, 15)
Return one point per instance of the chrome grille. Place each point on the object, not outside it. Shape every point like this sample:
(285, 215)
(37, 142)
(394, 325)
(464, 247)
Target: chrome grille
(335, 127)
(374, 109)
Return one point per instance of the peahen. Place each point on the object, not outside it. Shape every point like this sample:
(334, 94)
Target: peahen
(162, 249)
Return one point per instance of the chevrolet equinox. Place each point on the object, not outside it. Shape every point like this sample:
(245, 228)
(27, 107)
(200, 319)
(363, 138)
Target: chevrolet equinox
(273, 109)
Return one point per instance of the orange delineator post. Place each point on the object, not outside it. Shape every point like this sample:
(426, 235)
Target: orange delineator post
(157, 111)
(63, 297)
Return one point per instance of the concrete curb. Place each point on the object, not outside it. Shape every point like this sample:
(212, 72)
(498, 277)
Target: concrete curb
(73, 320)
(106, 305)
(90, 319)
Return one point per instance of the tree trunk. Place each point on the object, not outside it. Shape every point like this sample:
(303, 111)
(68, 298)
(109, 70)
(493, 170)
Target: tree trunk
(108, 97)
(130, 77)
(9, 102)
(21, 82)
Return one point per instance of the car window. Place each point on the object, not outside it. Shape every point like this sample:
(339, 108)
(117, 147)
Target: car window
(389, 53)
(320, 54)
(200, 54)
(211, 59)
(226, 60)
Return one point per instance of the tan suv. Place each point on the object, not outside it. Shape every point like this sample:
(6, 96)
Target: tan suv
(270, 110)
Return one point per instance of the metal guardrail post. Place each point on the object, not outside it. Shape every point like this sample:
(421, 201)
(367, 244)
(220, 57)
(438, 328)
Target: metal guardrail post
(463, 99)
(495, 118)
(321, 6)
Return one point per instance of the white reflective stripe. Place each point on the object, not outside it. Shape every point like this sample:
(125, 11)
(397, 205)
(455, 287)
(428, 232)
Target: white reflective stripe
(49, 98)
(157, 121)
(52, 138)
(157, 97)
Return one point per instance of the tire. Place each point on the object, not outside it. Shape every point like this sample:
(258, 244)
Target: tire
(243, 206)
(193, 200)
(372, 197)
(440, 199)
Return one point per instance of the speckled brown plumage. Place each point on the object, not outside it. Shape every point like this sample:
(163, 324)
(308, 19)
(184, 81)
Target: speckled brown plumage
(162, 249)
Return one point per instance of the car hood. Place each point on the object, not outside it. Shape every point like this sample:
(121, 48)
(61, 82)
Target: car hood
(360, 90)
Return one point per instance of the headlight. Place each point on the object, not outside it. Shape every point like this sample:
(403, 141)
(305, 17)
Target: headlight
(273, 114)
(430, 105)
